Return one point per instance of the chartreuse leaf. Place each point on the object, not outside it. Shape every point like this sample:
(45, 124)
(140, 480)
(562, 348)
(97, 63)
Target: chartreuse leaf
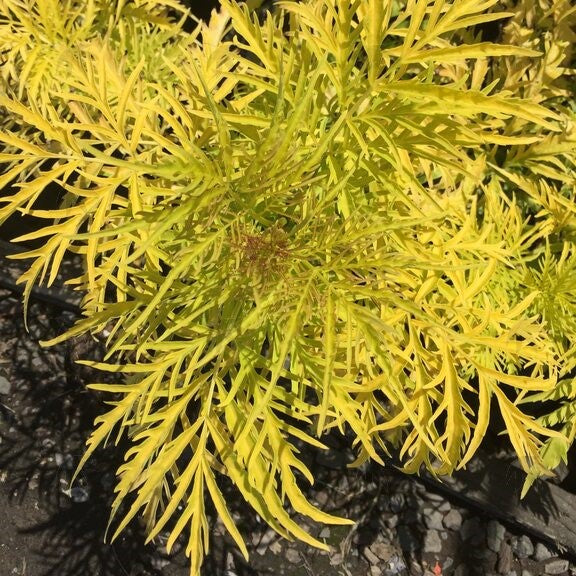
(521, 429)
(329, 353)
(376, 16)
(160, 462)
(457, 428)
(480, 50)
(221, 508)
(482, 419)
(553, 453)
(468, 103)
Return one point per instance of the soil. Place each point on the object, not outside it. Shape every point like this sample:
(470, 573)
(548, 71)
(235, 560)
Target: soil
(46, 414)
(51, 529)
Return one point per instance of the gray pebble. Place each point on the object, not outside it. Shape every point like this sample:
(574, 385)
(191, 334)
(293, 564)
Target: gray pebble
(392, 521)
(159, 563)
(542, 552)
(473, 531)
(556, 567)
(5, 385)
(432, 541)
(447, 563)
(522, 547)
(69, 462)
(526, 573)
(396, 503)
(38, 363)
(293, 556)
(79, 494)
(433, 520)
(495, 533)
(433, 497)
(48, 443)
(453, 520)
(395, 566)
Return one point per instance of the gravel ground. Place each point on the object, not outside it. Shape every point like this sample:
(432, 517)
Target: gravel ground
(50, 529)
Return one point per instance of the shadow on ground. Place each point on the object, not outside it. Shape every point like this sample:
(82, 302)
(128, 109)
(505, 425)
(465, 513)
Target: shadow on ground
(52, 529)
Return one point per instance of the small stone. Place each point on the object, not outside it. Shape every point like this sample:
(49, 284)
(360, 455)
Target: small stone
(79, 494)
(375, 570)
(5, 385)
(324, 533)
(230, 564)
(293, 556)
(447, 563)
(371, 558)
(159, 563)
(527, 573)
(475, 466)
(473, 531)
(408, 542)
(433, 520)
(336, 559)
(542, 552)
(396, 503)
(433, 497)
(38, 363)
(392, 521)
(495, 533)
(275, 547)
(432, 542)
(267, 537)
(505, 558)
(453, 520)
(522, 547)
(321, 499)
(444, 507)
(556, 567)
(395, 566)
(382, 550)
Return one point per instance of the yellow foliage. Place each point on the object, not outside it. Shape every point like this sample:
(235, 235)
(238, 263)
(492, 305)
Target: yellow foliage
(352, 216)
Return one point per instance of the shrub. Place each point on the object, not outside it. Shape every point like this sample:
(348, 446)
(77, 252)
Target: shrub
(353, 216)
